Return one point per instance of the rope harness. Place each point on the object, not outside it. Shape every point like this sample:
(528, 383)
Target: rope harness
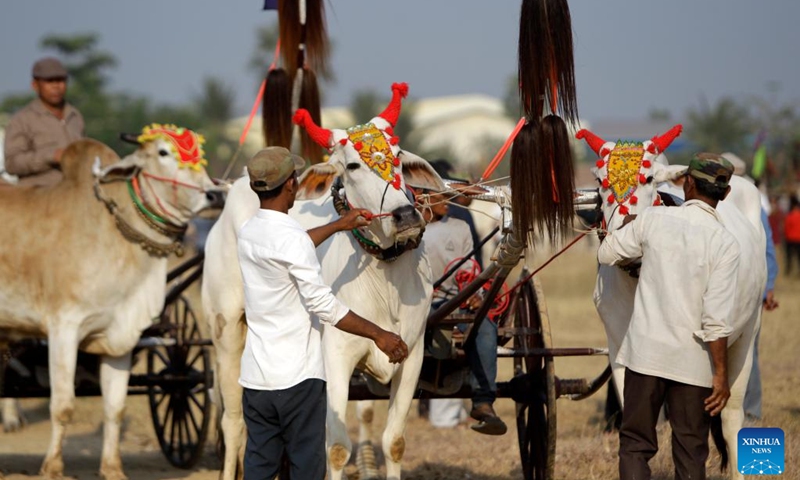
(147, 213)
(390, 254)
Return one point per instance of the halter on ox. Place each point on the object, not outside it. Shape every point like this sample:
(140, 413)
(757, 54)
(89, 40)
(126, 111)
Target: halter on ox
(159, 214)
(372, 145)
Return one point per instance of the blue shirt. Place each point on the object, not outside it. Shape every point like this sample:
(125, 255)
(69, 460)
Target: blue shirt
(772, 262)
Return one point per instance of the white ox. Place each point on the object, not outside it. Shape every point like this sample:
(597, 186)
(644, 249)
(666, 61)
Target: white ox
(395, 294)
(68, 274)
(646, 166)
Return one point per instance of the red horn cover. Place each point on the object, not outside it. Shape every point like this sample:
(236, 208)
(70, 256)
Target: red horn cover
(321, 136)
(392, 112)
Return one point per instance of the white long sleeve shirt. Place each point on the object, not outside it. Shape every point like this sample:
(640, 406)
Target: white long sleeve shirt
(685, 293)
(285, 300)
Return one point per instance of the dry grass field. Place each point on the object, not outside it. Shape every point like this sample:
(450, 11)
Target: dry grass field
(583, 452)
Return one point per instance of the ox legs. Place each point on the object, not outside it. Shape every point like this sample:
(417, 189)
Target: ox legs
(62, 350)
(229, 344)
(338, 370)
(12, 415)
(740, 363)
(114, 375)
(403, 385)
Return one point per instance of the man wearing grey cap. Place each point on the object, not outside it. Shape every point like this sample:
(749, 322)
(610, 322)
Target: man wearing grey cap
(675, 349)
(37, 135)
(282, 372)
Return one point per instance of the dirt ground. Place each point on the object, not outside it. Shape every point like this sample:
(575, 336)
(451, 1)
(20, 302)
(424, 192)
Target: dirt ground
(583, 452)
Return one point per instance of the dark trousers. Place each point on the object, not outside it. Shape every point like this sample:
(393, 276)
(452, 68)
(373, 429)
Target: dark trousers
(638, 443)
(290, 421)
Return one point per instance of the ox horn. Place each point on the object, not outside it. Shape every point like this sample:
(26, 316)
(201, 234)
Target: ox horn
(595, 143)
(392, 112)
(321, 136)
(663, 141)
(129, 138)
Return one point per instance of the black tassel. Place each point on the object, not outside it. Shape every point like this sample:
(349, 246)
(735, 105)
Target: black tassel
(309, 99)
(276, 109)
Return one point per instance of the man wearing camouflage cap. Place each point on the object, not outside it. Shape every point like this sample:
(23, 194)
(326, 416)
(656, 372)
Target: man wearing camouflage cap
(37, 135)
(284, 398)
(675, 350)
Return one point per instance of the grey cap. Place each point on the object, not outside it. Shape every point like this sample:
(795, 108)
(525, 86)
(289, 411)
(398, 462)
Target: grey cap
(272, 166)
(48, 68)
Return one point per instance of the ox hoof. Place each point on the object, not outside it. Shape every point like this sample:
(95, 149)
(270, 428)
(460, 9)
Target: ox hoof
(112, 470)
(112, 474)
(52, 469)
(13, 425)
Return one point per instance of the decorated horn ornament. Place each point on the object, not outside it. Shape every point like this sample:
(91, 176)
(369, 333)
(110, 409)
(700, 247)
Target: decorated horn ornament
(663, 141)
(321, 136)
(392, 111)
(595, 143)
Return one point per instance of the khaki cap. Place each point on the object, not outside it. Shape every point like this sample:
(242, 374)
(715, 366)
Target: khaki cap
(272, 166)
(48, 68)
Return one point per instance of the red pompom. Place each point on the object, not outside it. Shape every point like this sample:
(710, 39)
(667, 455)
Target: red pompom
(396, 182)
(606, 183)
(401, 88)
(358, 145)
(611, 198)
(651, 148)
(396, 162)
(642, 179)
(343, 141)
(623, 210)
(600, 163)
(657, 201)
(646, 164)
(634, 200)
(389, 130)
(604, 151)
(394, 140)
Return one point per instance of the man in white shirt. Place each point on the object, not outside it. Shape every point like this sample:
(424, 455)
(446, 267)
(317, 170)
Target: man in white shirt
(285, 301)
(675, 350)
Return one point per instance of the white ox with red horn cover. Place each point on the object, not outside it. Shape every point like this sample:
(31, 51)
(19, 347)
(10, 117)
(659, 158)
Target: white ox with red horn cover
(377, 271)
(628, 174)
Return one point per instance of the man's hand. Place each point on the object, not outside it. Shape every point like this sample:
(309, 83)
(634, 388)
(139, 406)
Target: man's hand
(393, 346)
(769, 302)
(357, 217)
(720, 392)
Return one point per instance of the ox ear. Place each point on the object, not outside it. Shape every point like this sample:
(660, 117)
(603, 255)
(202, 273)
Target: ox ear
(418, 173)
(317, 180)
(663, 173)
(120, 170)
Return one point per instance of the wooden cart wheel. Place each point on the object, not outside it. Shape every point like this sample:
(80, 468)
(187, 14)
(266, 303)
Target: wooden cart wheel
(536, 419)
(180, 400)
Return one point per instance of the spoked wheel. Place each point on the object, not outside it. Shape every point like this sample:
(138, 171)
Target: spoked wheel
(180, 402)
(536, 416)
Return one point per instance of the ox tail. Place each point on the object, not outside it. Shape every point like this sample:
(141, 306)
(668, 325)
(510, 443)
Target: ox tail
(365, 460)
(719, 441)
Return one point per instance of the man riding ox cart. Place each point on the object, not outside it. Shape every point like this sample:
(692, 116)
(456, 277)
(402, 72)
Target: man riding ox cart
(629, 174)
(84, 264)
(377, 271)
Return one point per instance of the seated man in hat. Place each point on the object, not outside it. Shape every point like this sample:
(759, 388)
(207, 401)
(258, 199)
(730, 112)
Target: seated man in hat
(37, 135)
(446, 240)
